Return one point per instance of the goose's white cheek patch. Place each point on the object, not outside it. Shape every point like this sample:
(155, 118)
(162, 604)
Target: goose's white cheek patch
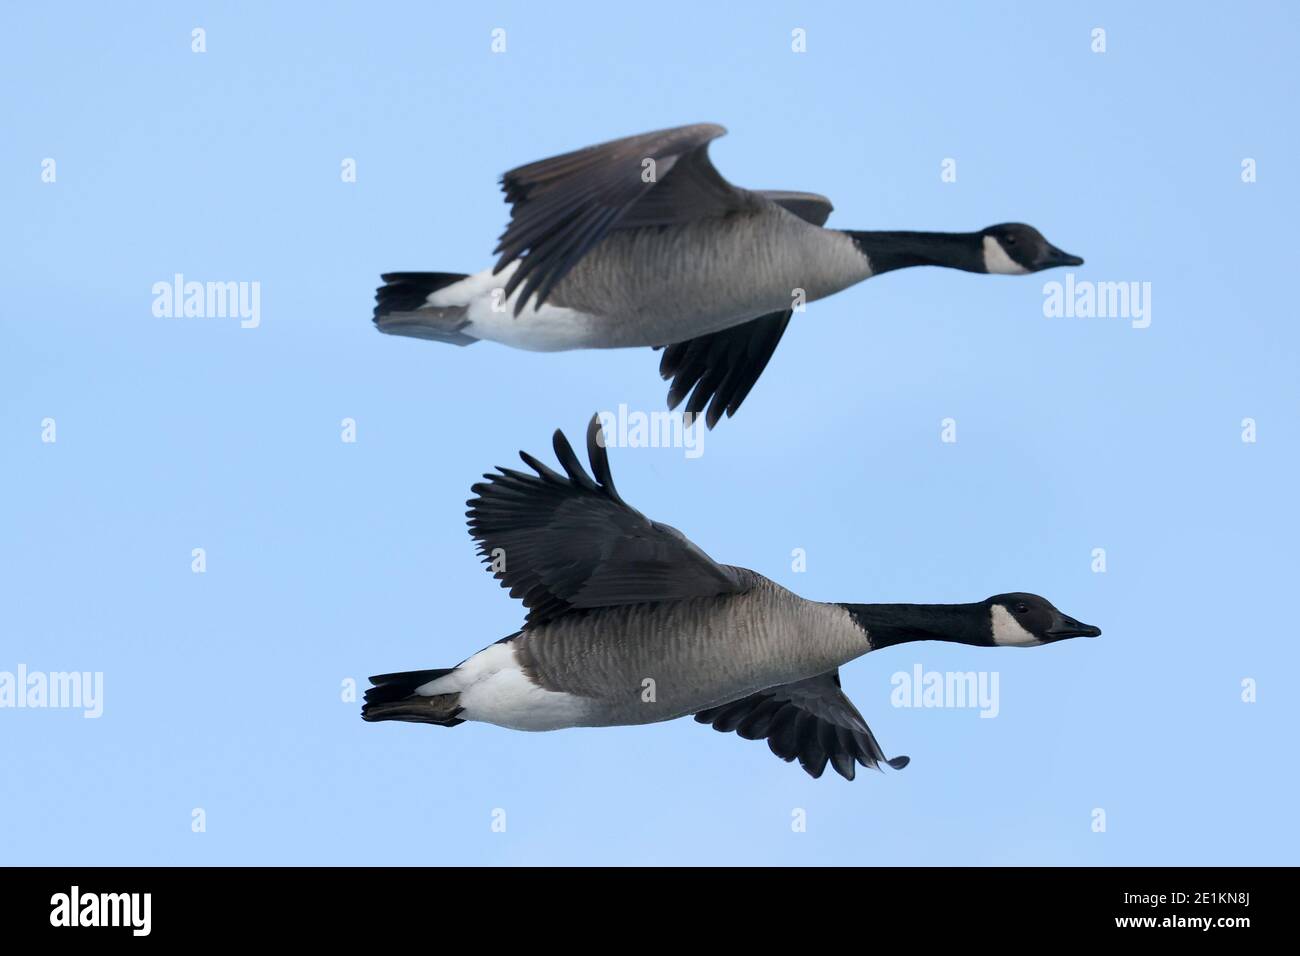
(1007, 631)
(997, 262)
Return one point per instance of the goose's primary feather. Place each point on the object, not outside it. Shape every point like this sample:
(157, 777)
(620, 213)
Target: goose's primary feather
(811, 720)
(721, 367)
(567, 541)
(562, 206)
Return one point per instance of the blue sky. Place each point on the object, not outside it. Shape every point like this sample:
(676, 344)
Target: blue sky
(329, 560)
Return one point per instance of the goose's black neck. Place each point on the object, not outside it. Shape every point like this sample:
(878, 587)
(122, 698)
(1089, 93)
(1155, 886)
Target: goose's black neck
(898, 250)
(889, 624)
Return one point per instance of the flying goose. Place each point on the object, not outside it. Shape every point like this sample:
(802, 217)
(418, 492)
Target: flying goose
(630, 623)
(641, 242)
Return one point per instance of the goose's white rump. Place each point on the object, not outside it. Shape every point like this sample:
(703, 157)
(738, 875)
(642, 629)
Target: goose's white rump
(491, 315)
(494, 689)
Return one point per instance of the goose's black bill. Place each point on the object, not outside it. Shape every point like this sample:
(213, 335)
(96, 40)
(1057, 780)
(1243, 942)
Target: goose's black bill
(1058, 257)
(1066, 626)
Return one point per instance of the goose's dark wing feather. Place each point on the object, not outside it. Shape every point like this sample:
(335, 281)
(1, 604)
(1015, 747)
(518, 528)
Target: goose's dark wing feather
(564, 541)
(562, 206)
(809, 207)
(721, 367)
(808, 719)
(718, 370)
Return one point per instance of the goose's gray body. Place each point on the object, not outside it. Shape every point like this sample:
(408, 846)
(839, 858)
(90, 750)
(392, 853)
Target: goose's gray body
(641, 242)
(631, 623)
(642, 663)
(657, 286)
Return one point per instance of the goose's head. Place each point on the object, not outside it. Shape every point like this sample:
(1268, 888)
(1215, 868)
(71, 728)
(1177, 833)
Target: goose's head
(1013, 248)
(1027, 620)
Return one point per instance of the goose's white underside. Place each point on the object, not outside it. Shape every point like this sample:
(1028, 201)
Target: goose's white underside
(492, 316)
(494, 689)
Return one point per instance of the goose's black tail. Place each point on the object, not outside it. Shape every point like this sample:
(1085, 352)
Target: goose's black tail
(394, 698)
(401, 308)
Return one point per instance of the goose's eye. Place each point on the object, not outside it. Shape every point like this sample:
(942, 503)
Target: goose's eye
(1009, 240)
(1022, 608)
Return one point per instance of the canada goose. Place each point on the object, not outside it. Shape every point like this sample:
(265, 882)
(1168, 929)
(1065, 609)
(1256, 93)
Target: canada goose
(641, 242)
(630, 623)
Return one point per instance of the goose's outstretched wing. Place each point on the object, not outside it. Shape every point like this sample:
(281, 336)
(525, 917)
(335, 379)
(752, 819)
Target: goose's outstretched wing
(564, 541)
(721, 367)
(809, 719)
(562, 206)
